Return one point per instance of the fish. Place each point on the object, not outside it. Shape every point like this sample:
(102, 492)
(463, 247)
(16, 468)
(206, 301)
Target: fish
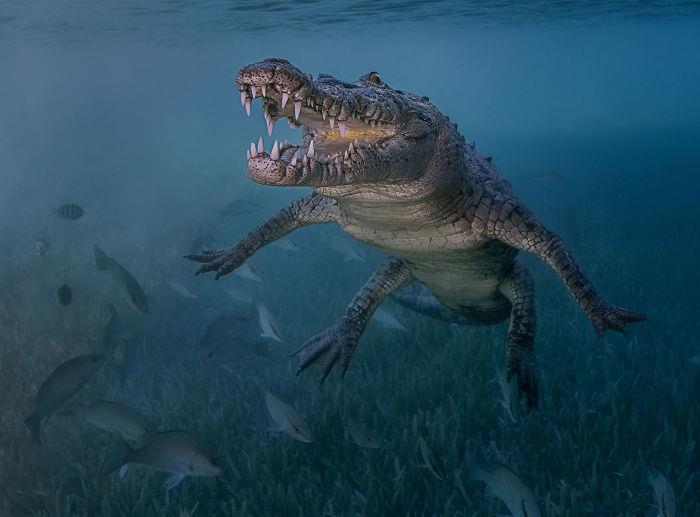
(228, 335)
(287, 419)
(249, 272)
(60, 387)
(268, 325)
(239, 207)
(361, 435)
(431, 460)
(285, 245)
(695, 360)
(65, 295)
(509, 390)
(122, 277)
(387, 320)
(507, 486)
(238, 295)
(663, 493)
(179, 285)
(114, 417)
(70, 211)
(347, 248)
(174, 452)
(41, 246)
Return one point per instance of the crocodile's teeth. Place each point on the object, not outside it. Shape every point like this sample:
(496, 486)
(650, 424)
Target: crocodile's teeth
(252, 91)
(264, 90)
(247, 106)
(253, 152)
(351, 147)
(294, 160)
(247, 154)
(285, 98)
(324, 114)
(275, 154)
(270, 125)
(310, 152)
(261, 149)
(341, 127)
(332, 121)
(297, 109)
(243, 97)
(345, 155)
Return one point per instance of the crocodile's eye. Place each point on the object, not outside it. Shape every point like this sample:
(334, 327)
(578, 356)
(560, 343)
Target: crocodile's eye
(373, 77)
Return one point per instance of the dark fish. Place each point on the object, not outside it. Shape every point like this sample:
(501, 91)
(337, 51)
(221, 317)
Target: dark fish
(120, 275)
(64, 295)
(70, 212)
(239, 207)
(229, 337)
(61, 386)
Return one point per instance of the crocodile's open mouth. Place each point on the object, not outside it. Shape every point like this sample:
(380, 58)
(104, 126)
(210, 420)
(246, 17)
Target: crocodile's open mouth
(337, 128)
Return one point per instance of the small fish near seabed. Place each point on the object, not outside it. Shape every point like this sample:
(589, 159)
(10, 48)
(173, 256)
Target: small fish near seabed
(114, 417)
(386, 319)
(122, 277)
(180, 286)
(65, 295)
(70, 212)
(229, 338)
(249, 272)
(663, 493)
(60, 387)
(268, 325)
(507, 486)
(174, 452)
(431, 460)
(287, 419)
(347, 248)
(361, 435)
(239, 207)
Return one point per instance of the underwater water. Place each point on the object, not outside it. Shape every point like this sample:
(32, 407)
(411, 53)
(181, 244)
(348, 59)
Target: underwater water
(590, 110)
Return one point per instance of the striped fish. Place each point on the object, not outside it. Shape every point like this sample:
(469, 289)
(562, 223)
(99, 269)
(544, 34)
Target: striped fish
(70, 212)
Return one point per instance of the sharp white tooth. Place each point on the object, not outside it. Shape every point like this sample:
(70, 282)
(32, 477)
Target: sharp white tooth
(243, 96)
(261, 149)
(332, 120)
(275, 154)
(286, 143)
(297, 109)
(310, 152)
(285, 98)
(247, 106)
(324, 114)
(294, 160)
(345, 155)
(264, 90)
(351, 148)
(252, 91)
(355, 141)
(341, 127)
(270, 125)
(247, 154)
(253, 151)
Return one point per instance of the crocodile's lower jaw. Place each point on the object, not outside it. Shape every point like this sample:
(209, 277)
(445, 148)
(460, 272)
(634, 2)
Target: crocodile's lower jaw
(329, 144)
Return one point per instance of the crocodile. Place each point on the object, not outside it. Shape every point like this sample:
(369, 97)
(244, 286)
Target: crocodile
(394, 172)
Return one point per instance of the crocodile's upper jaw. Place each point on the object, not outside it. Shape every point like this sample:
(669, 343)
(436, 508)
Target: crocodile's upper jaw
(351, 132)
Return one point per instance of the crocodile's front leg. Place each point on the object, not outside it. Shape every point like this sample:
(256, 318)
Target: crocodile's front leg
(311, 209)
(339, 342)
(512, 223)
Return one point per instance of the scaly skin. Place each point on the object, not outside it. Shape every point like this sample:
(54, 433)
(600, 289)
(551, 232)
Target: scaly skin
(394, 172)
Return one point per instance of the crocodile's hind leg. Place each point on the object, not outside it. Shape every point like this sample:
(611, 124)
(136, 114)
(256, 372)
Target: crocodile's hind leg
(420, 300)
(518, 288)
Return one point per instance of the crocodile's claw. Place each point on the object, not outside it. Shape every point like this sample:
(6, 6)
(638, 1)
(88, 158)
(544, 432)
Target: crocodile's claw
(608, 317)
(221, 261)
(334, 345)
(522, 364)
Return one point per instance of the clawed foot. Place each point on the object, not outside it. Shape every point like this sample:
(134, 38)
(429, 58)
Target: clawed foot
(334, 345)
(221, 261)
(608, 317)
(522, 364)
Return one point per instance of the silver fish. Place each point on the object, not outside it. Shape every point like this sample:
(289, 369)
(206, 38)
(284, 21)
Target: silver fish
(175, 452)
(180, 286)
(60, 387)
(507, 487)
(361, 435)
(387, 320)
(347, 248)
(268, 325)
(509, 390)
(249, 272)
(125, 279)
(431, 459)
(287, 419)
(70, 212)
(116, 418)
(663, 493)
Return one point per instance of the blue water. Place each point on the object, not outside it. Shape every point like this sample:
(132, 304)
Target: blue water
(590, 110)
